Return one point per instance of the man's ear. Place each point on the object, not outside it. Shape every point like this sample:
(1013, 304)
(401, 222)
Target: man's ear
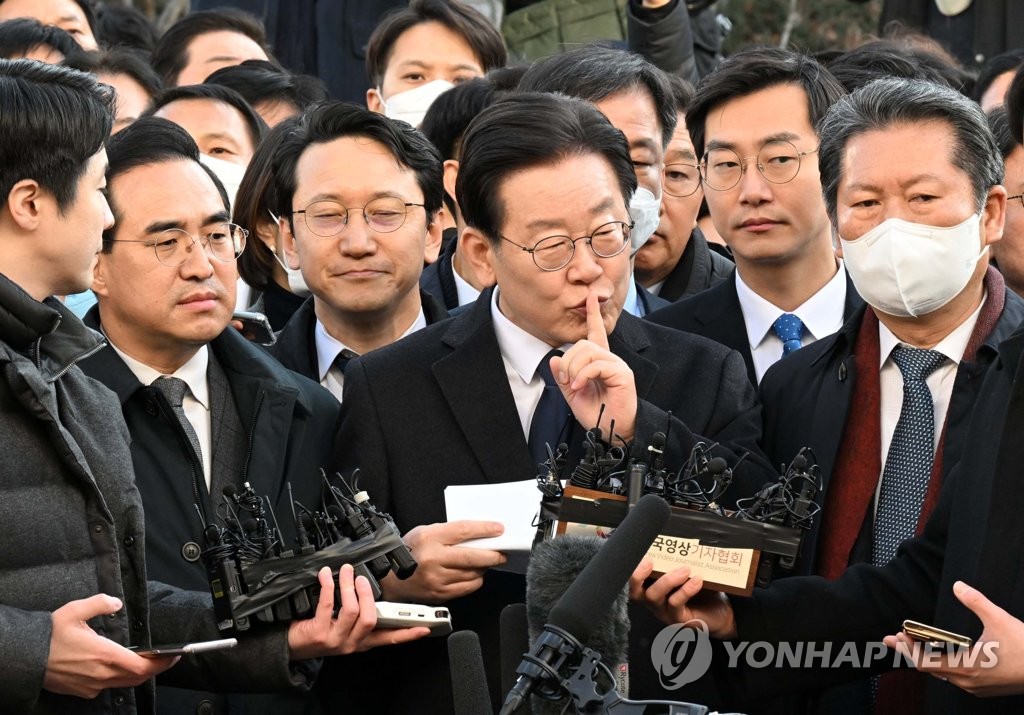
(451, 173)
(374, 102)
(291, 251)
(99, 275)
(25, 202)
(993, 215)
(435, 232)
(479, 252)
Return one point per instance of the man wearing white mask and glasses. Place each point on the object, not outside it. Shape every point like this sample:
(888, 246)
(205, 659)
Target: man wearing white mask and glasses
(418, 52)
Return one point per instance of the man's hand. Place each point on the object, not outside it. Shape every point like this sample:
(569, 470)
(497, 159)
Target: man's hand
(993, 666)
(590, 375)
(445, 570)
(678, 598)
(353, 630)
(83, 663)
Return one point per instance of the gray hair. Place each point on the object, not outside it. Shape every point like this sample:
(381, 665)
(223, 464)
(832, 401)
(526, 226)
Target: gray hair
(891, 102)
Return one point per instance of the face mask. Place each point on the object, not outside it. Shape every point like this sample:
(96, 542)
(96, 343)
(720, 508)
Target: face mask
(644, 209)
(229, 174)
(296, 283)
(412, 104)
(909, 269)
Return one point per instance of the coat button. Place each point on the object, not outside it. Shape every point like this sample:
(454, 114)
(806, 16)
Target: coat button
(98, 528)
(119, 700)
(129, 540)
(191, 551)
(137, 625)
(151, 408)
(205, 707)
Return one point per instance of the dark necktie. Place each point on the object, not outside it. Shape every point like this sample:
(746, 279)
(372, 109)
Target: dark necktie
(789, 330)
(550, 416)
(174, 390)
(908, 463)
(343, 358)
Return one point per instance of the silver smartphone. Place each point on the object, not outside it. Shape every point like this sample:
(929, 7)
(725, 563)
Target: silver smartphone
(409, 615)
(159, 651)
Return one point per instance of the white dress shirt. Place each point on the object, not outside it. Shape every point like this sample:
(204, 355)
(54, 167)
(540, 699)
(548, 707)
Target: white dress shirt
(328, 347)
(466, 292)
(821, 314)
(197, 400)
(521, 352)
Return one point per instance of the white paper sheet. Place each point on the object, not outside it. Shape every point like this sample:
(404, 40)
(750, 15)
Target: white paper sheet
(514, 504)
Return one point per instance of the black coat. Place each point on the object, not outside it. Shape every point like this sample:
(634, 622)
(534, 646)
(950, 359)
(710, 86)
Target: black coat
(698, 269)
(436, 409)
(290, 423)
(974, 535)
(716, 314)
(438, 278)
(296, 342)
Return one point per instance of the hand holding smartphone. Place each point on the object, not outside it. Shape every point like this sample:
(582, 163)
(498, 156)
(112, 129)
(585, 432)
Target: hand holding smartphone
(934, 637)
(158, 651)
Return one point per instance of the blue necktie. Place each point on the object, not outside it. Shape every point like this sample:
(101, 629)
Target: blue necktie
(789, 329)
(550, 416)
(908, 464)
(342, 359)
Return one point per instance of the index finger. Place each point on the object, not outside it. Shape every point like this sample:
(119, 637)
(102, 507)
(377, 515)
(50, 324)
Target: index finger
(595, 323)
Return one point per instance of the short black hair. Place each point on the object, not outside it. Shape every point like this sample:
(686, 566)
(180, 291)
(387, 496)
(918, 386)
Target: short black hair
(20, 36)
(750, 71)
(149, 140)
(54, 120)
(215, 92)
(125, 26)
(253, 202)
(999, 123)
(170, 56)
(259, 81)
(481, 36)
(880, 59)
(1015, 105)
(528, 130)
(119, 60)
(682, 92)
(595, 72)
(333, 120)
(1005, 62)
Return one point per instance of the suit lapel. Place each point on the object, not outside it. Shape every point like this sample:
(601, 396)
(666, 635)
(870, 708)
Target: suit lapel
(721, 318)
(473, 380)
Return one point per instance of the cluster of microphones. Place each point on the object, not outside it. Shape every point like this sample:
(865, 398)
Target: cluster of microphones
(256, 576)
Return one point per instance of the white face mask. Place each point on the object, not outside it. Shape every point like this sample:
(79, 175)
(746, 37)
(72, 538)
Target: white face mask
(296, 283)
(230, 174)
(909, 269)
(412, 104)
(644, 209)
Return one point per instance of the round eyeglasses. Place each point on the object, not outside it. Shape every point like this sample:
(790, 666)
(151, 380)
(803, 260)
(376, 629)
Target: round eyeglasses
(173, 246)
(778, 162)
(555, 252)
(680, 179)
(327, 218)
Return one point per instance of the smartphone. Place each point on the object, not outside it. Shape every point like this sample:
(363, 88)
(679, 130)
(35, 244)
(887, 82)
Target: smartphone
(408, 615)
(255, 326)
(935, 637)
(185, 648)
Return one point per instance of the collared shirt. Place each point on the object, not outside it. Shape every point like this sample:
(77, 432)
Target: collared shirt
(196, 403)
(821, 314)
(328, 347)
(521, 353)
(633, 305)
(466, 292)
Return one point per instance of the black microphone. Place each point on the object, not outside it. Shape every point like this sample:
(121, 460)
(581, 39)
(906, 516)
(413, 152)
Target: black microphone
(589, 597)
(469, 680)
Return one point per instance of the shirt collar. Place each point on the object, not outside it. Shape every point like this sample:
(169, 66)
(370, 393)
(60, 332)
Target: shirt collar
(192, 373)
(521, 350)
(328, 347)
(821, 314)
(952, 346)
(633, 305)
(465, 292)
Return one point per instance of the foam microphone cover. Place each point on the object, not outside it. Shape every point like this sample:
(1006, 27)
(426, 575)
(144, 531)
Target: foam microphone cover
(469, 680)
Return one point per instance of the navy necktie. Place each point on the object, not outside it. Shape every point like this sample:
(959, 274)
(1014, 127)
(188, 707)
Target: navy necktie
(908, 463)
(550, 416)
(343, 358)
(789, 330)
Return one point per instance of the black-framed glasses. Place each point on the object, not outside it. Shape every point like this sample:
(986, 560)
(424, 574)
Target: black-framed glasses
(173, 246)
(680, 179)
(555, 252)
(1018, 198)
(778, 162)
(327, 218)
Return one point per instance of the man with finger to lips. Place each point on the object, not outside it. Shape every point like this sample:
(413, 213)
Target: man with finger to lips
(545, 186)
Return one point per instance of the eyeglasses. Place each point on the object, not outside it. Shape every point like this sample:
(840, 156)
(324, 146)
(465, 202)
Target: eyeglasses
(328, 218)
(555, 252)
(1019, 198)
(173, 247)
(778, 162)
(681, 179)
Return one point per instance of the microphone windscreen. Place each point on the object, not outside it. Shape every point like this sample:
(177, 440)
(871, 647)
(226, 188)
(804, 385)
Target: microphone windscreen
(515, 642)
(590, 596)
(229, 490)
(469, 681)
(717, 465)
